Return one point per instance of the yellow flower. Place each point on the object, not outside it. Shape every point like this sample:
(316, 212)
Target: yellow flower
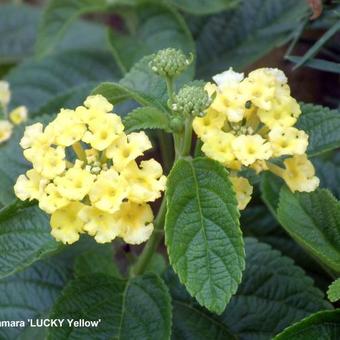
(103, 131)
(5, 130)
(284, 112)
(5, 93)
(99, 224)
(146, 183)
(30, 186)
(75, 184)
(288, 141)
(31, 133)
(208, 124)
(218, 147)
(109, 191)
(66, 224)
(243, 191)
(299, 174)
(50, 164)
(127, 148)
(18, 115)
(259, 166)
(250, 148)
(98, 102)
(134, 222)
(51, 200)
(67, 128)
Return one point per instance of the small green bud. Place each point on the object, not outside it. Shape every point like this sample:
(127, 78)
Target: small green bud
(191, 100)
(170, 62)
(177, 124)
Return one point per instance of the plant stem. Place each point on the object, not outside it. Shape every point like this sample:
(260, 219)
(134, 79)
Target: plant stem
(152, 244)
(165, 144)
(79, 151)
(187, 139)
(170, 89)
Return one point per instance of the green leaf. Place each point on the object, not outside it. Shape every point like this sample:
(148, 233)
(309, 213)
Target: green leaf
(24, 238)
(203, 7)
(274, 293)
(313, 221)
(147, 117)
(97, 261)
(57, 17)
(322, 125)
(17, 41)
(322, 325)
(241, 36)
(134, 309)
(156, 26)
(202, 231)
(35, 83)
(270, 190)
(328, 171)
(30, 295)
(157, 264)
(13, 164)
(317, 64)
(333, 292)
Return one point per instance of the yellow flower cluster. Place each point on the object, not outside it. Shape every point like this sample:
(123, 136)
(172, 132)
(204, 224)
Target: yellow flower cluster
(85, 175)
(7, 119)
(250, 121)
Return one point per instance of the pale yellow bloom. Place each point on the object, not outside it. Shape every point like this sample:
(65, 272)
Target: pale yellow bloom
(51, 200)
(134, 222)
(243, 191)
(250, 148)
(30, 186)
(18, 115)
(75, 184)
(211, 122)
(288, 141)
(5, 93)
(146, 183)
(66, 224)
(103, 131)
(218, 147)
(109, 191)
(50, 164)
(99, 103)
(228, 78)
(99, 224)
(31, 133)
(67, 128)
(6, 129)
(299, 174)
(259, 166)
(127, 148)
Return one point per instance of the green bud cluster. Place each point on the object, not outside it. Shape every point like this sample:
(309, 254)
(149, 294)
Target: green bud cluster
(191, 100)
(170, 62)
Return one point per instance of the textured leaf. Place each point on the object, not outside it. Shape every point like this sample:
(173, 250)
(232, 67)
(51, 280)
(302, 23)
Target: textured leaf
(155, 27)
(24, 238)
(270, 190)
(17, 40)
(317, 64)
(36, 83)
(203, 6)
(146, 118)
(30, 295)
(313, 221)
(13, 164)
(59, 14)
(273, 294)
(202, 231)
(322, 125)
(328, 171)
(97, 261)
(322, 325)
(239, 37)
(333, 292)
(137, 309)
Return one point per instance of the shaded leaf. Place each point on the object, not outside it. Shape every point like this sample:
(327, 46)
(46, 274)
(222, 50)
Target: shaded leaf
(201, 7)
(333, 292)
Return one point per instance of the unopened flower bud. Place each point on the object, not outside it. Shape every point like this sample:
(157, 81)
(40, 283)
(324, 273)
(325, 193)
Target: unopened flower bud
(191, 100)
(170, 62)
(177, 124)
